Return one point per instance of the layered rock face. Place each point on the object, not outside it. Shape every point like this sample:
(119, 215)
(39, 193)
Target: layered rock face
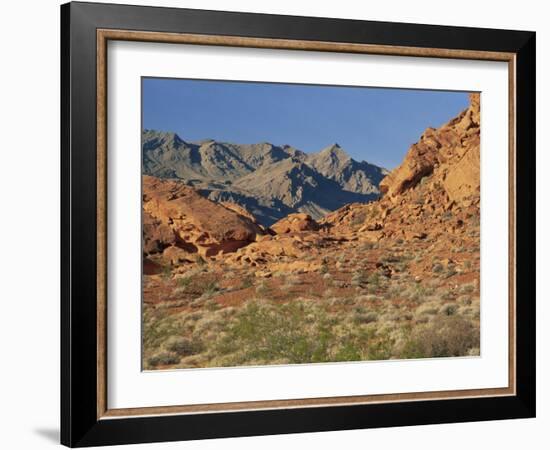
(450, 153)
(434, 192)
(178, 221)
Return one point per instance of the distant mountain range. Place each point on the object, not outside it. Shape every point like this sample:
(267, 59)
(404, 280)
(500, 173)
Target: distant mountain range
(269, 181)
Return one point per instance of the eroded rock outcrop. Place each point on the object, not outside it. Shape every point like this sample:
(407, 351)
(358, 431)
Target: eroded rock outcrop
(450, 153)
(176, 216)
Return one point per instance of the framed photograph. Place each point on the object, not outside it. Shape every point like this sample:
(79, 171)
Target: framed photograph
(276, 224)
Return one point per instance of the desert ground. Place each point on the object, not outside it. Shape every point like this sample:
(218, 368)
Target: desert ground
(396, 277)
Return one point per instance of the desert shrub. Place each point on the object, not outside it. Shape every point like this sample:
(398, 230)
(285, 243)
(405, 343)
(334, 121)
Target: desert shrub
(163, 359)
(449, 309)
(158, 326)
(401, 267)
(184, 281)
(444, 336)
(200, 260)
(419, 292)
(262, 288)
(380, 346)
(166, 272)
(426, 310)
(349, 351)
(247, 282)
(437, 268)
(359, 218)
(390, 258)
(368, 298)
(341, 301)
(394, 291)
(292, 280)
(211, 305)
(327, 278)
(209, 327)
(184, 346)
(368, 246)
(298, 332)
(374, 279)
(364, 318)
(467, 288)
(268, 332)
(451, 271)
(196, 285)
(358, 278)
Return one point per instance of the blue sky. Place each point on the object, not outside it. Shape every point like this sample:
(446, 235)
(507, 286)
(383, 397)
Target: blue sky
(372, 124)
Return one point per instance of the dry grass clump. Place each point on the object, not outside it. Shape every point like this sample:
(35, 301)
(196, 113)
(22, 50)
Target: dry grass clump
(183, 346)
(162, 359)
(443, 337)
(195, 285)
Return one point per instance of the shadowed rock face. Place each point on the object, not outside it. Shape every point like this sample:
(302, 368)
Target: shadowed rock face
(268, 181)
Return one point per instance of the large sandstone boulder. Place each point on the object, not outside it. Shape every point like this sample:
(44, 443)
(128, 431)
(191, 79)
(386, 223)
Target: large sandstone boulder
(178, 216)
(295, 223)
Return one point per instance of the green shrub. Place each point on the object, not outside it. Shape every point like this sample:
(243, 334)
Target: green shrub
(268, 332)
